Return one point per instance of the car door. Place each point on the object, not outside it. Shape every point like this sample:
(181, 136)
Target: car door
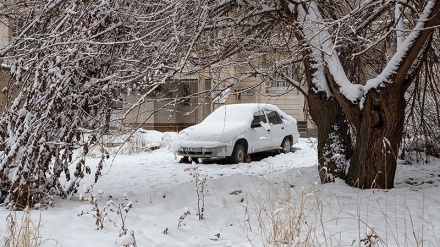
(260, 132)
(277, 128)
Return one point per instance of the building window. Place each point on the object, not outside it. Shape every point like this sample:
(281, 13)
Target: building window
(186, 93)
(168, 94)
(279, 84)
(237, 94)
(117, 104)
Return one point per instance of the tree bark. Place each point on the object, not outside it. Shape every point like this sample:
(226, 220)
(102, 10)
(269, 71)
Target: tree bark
(334, 140)
(378, 136)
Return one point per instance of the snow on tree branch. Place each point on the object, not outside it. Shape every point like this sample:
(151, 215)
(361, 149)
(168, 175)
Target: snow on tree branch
(394, 65)
(71, 69)
(324, 53)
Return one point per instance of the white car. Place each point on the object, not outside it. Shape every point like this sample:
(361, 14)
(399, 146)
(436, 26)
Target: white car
(234, 131)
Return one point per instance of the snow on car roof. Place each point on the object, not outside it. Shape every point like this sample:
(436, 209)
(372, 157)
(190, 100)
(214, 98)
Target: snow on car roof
(240, 112)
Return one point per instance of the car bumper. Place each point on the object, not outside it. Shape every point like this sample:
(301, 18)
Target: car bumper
(199, 152)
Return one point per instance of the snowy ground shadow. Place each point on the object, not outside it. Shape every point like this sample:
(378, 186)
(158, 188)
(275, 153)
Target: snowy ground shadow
(254, 157)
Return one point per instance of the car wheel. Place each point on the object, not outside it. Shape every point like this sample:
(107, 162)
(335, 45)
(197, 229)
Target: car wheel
(195, 160)
(185, 160)
(286, 145)
(238, 155)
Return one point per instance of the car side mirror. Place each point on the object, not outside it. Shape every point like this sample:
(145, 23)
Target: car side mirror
(255, 125)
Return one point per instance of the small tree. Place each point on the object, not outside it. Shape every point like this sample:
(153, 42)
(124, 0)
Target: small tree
(71, 60)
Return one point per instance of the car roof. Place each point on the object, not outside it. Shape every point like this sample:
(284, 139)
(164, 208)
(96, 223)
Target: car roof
(251, 106)
(241, 112)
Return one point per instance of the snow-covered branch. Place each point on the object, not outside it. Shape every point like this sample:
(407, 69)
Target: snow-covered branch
(402, 61)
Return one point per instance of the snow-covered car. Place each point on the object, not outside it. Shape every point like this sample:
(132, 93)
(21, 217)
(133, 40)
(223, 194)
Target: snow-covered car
(236, 130)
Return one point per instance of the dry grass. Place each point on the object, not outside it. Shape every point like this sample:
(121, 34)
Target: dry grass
(288, 220)
(23, 232)
(292, 216)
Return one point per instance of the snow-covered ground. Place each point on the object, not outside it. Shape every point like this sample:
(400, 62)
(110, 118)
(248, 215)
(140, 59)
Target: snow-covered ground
(252, 204)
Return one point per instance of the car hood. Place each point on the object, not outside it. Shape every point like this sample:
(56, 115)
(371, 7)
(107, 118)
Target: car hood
(209, 134)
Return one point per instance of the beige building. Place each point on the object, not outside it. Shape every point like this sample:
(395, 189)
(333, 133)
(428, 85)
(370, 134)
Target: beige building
(5, 34)
(174, 106)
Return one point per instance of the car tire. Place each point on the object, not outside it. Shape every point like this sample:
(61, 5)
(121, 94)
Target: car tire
(286, 145)
(185, 160)
(238, 154)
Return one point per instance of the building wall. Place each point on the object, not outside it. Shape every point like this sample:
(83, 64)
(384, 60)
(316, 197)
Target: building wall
(141, 113)
(166, 110)
(4, 72)
(288, 100)
(6, 96)
(4, 33)
(283, 96)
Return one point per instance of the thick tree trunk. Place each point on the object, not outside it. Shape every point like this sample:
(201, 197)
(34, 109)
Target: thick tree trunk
(378, 136)
(378, 127)
(334, 140)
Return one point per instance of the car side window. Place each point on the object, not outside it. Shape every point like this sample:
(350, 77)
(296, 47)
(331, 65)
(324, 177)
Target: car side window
(259, 117)
(274, 117)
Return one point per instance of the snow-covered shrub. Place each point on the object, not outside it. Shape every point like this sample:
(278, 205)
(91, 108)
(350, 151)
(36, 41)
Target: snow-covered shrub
(335, 162)
(112, 213)
(183, 216)
(146, 140)
(127, 240)
(99, 214)
(69, 72)
(137, 141)
(200, 182)
(419, 148)
(422, 126)
(370, 239)
(63, 90)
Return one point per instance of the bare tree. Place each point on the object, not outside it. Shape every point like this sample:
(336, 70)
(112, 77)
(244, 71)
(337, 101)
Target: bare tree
(375, 107)
(422, 128)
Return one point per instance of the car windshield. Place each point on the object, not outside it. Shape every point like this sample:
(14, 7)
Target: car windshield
(231, 114)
